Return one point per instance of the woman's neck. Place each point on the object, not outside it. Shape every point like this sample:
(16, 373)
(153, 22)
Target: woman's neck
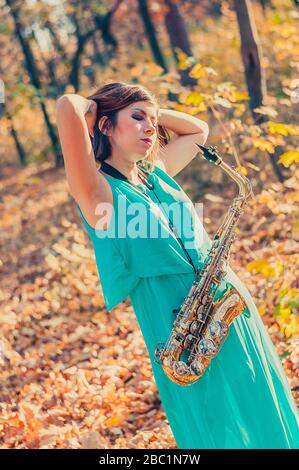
(128, 169)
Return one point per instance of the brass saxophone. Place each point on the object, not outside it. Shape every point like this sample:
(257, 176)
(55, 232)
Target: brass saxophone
(202, 324)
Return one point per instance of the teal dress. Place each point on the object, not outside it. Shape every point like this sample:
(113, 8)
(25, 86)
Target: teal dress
(243, 400)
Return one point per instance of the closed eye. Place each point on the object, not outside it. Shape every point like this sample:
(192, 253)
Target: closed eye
(140, 118)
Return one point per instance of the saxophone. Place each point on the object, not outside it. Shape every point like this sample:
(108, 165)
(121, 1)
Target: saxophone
(202, 323)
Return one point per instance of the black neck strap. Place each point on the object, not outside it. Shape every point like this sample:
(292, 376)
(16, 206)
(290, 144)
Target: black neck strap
(110, 170)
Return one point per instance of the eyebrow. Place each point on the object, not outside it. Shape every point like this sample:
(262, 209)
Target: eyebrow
(142, 110)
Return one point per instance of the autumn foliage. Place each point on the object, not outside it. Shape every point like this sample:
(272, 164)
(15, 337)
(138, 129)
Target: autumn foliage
(72, 375)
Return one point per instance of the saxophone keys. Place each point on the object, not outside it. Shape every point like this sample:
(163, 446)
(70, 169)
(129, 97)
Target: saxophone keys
(180, 368)
(200, 310)
(188, 341)
(197, 367)
(206, 347)
(159, 352)
(193, 326)
(218, 329)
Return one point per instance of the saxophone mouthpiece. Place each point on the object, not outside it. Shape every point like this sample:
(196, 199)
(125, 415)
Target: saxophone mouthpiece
(202, 147)
(210, 154)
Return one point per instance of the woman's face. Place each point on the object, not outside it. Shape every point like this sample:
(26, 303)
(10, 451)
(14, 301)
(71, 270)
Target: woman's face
(137, 121)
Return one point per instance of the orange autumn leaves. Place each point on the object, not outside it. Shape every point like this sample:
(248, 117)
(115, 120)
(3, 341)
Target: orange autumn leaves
(74, 376)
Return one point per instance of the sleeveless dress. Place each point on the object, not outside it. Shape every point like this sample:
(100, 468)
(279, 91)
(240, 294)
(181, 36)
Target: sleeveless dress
(243, 400)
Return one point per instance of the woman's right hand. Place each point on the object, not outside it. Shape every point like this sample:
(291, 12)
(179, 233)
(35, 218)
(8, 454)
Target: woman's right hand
(90, 116)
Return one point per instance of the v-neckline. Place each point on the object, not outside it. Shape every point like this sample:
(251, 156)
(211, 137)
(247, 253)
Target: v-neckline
(124, 181)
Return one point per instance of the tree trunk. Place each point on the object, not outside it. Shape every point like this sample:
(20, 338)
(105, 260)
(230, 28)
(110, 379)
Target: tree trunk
(34, 78)
(97, 55)
(256, 84)
(178, 36)
(74, 76)
(19, 147)
(54, 88)
(151, 34)
(265, 4)
(103, 23)
(251, 55)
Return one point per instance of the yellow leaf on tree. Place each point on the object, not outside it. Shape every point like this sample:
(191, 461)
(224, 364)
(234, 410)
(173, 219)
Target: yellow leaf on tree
(183, 64)
(239, 95)
(180, 54)
(242, 169)
(197, 71)
(194, 98)
(288, 158)
(153, 68)
(197, 109)
(179, 107)
(263, 144)
(278, 128)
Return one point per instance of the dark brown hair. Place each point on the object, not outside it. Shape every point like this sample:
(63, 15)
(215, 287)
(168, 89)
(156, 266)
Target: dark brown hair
(111, 98)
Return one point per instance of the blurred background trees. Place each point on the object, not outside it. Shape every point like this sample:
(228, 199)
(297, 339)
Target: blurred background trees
(233, 63)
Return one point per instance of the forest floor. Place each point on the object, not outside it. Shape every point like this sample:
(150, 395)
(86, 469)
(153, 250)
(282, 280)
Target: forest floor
(73, 376)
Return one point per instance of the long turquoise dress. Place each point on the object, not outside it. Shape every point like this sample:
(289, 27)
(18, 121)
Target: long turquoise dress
(243, 400)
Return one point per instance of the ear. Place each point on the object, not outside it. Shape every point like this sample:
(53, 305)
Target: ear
(104, 125)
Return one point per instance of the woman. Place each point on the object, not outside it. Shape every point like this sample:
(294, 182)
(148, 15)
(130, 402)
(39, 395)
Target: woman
(243, 400)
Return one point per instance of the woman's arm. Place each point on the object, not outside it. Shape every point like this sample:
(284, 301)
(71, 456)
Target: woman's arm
(75, 117)
(181, 123)
(179, 152)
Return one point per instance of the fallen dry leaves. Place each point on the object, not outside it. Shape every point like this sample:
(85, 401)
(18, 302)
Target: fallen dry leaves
(73, 376)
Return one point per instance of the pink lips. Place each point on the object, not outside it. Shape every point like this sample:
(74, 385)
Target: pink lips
(147, 141)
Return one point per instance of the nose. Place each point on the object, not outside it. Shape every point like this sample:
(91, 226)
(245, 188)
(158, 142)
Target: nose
(150, 129)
